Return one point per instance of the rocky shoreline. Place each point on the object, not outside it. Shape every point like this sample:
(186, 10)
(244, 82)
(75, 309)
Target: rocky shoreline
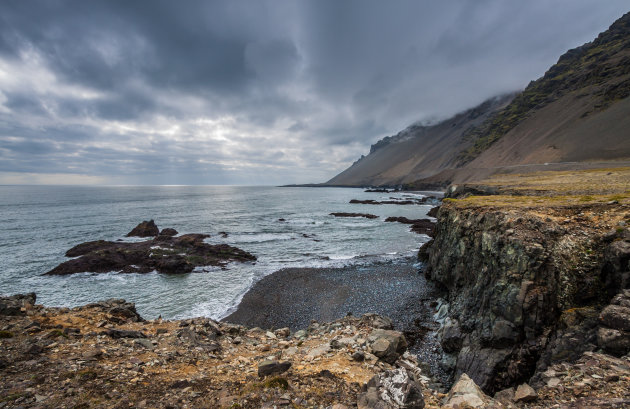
(536, 314)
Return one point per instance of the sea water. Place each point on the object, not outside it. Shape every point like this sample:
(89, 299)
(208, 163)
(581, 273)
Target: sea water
(38, 224)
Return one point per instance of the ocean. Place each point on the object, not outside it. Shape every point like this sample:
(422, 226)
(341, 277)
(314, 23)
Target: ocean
(38, 224)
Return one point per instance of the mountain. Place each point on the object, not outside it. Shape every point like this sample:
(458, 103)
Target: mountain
(576, 114)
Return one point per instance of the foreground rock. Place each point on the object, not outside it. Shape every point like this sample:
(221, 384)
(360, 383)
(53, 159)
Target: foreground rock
(392, 389)
(104, 355)
(466, 394)
(366, 215)
(165, 254)
(98, 356)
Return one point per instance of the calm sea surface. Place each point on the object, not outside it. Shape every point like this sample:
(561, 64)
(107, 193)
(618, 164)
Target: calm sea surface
(39, 223)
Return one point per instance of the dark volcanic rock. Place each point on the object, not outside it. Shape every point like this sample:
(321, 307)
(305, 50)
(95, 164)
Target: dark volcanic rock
(13, 305)
(168, 232)
(366, 215)
(166, 254)
(614, 334)
(420, 226)
(434, 211)
(144, 229)
(267, 368)
(372, 202)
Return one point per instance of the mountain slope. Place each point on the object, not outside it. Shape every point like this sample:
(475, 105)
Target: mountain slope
(418, 151)
(578, 112)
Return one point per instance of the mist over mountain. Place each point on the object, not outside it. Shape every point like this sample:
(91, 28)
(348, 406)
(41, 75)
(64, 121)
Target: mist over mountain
(577, 113)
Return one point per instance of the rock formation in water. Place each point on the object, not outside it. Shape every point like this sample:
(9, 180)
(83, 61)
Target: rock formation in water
(166, 253)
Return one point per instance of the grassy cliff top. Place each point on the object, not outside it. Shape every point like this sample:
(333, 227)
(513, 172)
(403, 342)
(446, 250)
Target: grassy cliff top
(560, 188)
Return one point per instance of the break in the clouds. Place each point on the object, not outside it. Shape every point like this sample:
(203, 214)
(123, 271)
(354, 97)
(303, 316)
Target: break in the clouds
(254, 92)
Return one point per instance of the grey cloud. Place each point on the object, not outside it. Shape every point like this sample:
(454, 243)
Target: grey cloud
(252, 91)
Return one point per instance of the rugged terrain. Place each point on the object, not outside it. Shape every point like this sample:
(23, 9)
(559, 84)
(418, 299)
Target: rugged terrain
(576, 114)
(537, 271)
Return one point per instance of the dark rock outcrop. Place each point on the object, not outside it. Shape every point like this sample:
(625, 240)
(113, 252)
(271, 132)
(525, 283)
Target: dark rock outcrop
(366, 215)
(144, 229)
(369, 201)
(168, 232)
(166, 254)
(420, 226)
(614, 334)
(523, 291)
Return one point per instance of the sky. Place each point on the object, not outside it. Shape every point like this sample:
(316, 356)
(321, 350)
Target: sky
(254, 92)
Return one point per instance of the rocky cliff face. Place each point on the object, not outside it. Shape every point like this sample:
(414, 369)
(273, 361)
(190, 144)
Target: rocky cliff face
(525, 285)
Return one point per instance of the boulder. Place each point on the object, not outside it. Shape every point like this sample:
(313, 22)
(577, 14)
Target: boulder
(377, 321)
(466, 394)
(144, 229)
(614, 341)
(451, 336)
(13, 305)
(393, 389)
(118, 308)
(525, 393)
(168, 232)
(616, 317)
(387, 345)
(267, 368)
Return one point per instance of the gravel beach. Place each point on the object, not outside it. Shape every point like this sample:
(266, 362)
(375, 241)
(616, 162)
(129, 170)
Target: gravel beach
(296, 296)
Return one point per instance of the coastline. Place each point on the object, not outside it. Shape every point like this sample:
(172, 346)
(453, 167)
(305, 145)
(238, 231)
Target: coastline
(297, 297)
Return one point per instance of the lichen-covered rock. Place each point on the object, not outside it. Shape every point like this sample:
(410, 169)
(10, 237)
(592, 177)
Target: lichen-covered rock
(393, 389)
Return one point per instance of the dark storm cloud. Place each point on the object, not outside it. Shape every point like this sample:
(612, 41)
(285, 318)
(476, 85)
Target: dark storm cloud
(256, 91)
